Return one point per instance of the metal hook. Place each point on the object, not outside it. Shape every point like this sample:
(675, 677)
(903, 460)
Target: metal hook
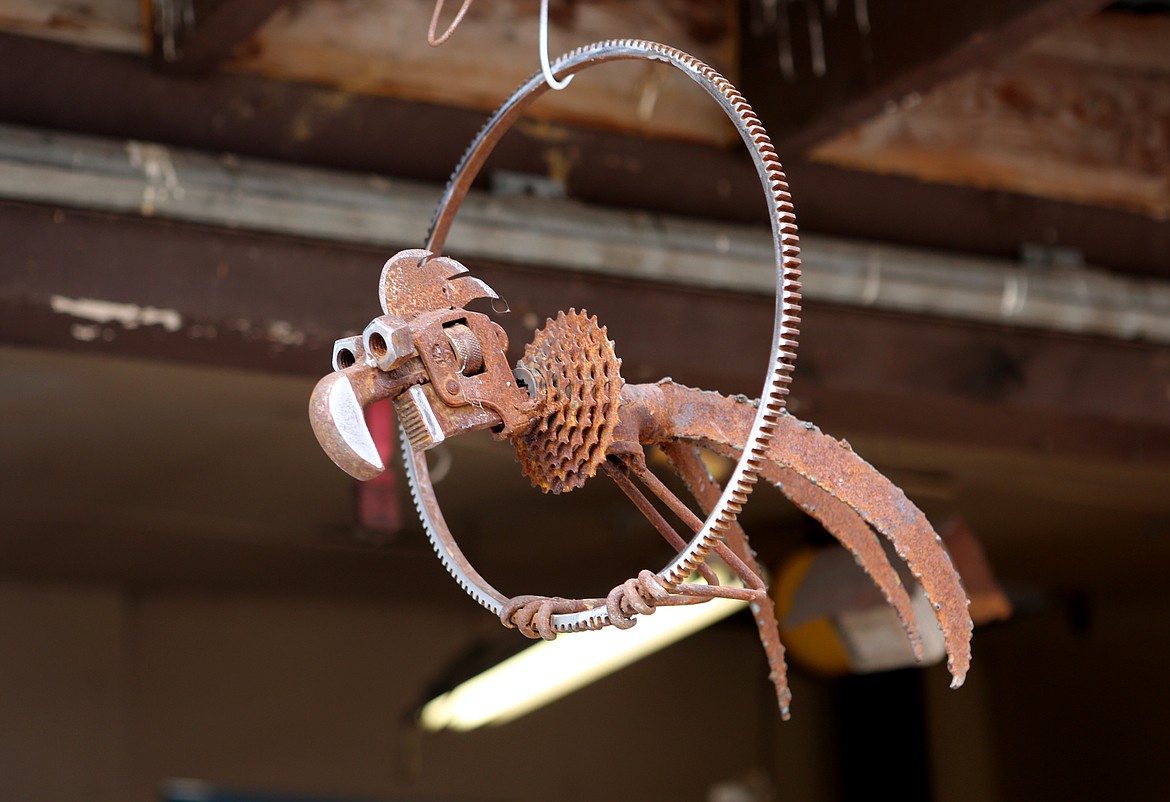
(431, 40)
(544, 65)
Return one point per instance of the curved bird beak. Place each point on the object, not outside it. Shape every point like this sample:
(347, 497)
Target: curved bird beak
(337, 414)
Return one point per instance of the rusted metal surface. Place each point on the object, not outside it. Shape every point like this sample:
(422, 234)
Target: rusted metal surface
(824, 476)
(785, 250)
(619, 472)
(839, 519)
(851, 531)
(568, 413)
(686, 461)
(411, 283)
(675, 412)
(337, 412)
(571, 362)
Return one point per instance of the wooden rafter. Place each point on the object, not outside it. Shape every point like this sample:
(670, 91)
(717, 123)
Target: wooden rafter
(193, 37)
(116, 95)
(1080, 116)
(876, 52)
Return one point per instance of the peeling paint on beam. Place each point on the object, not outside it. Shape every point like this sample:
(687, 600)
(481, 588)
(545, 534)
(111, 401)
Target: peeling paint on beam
(129, 316)
(246, 299)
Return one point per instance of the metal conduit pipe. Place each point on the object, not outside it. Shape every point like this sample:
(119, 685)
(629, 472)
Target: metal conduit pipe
(159, 181)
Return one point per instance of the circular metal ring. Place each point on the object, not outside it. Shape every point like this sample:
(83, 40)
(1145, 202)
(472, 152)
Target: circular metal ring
(784, 335)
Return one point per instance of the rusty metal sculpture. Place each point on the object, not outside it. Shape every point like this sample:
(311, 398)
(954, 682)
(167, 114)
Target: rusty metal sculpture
(568, 413)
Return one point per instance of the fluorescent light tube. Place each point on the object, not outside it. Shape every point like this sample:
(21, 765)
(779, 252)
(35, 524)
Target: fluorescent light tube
(551, 669)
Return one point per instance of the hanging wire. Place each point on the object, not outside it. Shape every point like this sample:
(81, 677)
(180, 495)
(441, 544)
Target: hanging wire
(861, 15)
(544, 65)
(431, 40)
(784, 41)
(816, 38)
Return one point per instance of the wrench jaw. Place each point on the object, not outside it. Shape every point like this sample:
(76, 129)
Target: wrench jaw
(337, 413)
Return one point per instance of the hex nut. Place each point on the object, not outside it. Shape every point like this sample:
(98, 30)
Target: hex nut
(347, 352)
(388, 341)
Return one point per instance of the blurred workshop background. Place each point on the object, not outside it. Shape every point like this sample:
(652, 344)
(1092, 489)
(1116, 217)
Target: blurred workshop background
(196, 197)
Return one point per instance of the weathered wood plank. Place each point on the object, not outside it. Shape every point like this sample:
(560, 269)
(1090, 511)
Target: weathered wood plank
(106, 24)
(192, 37)
(379, 47)
(1128, 41)
(1084, 116)
(816, 68)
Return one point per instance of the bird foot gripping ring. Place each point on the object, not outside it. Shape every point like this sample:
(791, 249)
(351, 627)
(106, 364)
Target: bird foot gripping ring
(568, 413)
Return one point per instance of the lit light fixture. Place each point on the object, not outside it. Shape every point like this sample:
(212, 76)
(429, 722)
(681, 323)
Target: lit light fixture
(551, 669)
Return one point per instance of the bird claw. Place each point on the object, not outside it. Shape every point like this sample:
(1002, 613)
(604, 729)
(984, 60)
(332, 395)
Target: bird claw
(532, 615)
(640, 595)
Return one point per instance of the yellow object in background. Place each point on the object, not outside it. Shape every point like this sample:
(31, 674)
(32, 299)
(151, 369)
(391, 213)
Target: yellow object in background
(815, 642)
(834, 621)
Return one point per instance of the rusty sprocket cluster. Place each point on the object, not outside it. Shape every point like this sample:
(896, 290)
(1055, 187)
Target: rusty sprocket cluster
(574, 361)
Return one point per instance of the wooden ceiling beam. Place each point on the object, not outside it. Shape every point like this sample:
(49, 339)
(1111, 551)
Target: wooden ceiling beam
(1080, 116)
(103, 284)
(193, 37)
(157, 181)
(118, 95)
(812, 75)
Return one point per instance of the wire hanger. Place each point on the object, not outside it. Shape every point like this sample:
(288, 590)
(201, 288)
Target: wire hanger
(549, 78)
(435, 41)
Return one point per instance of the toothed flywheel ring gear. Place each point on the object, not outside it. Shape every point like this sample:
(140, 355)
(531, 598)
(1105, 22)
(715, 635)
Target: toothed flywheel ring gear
(576, 362)
(784, 334)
